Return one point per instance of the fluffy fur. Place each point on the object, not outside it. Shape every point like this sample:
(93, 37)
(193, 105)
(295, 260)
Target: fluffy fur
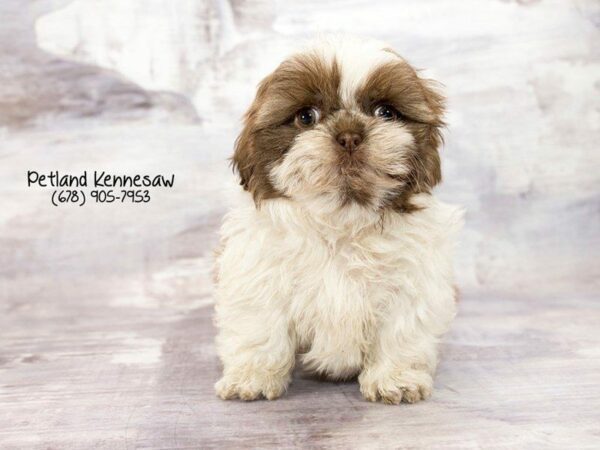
(338, 255)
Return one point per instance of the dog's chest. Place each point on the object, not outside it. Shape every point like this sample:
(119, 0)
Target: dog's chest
(335, 292)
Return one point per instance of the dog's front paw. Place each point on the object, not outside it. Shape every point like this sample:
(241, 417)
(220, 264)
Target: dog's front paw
(250, 385)
(409, 386)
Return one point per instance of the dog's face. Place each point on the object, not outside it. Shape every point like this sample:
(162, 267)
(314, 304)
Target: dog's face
(345, 122)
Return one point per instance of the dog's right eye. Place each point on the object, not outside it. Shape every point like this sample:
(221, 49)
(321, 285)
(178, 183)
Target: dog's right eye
(386, 112)
(308, 116)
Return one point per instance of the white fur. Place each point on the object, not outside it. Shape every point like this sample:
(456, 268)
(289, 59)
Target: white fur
(356, 294)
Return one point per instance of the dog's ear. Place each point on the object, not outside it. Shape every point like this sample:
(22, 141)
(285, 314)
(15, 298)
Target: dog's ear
(428, 136)
(260, 144)
(253, 155)
(243, 160)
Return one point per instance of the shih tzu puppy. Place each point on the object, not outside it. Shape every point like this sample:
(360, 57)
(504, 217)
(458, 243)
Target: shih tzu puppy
(339, 256)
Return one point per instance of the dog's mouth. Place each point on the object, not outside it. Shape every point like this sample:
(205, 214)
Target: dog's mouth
(352, 192)
(359, 182)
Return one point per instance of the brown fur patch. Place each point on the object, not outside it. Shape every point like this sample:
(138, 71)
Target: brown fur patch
(422, 108)
(269, 128)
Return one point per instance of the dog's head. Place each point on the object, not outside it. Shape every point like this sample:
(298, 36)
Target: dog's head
(347, 121)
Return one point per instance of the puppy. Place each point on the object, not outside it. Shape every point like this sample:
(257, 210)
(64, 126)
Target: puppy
(338, 252)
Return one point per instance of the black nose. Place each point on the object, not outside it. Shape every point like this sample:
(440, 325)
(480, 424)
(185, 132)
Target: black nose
(349, 140)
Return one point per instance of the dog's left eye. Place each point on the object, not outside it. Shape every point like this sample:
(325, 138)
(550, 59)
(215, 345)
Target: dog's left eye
(386, 112)
(307, 117)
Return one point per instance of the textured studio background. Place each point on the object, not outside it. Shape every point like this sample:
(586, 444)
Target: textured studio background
(105, 310)
(522, 79)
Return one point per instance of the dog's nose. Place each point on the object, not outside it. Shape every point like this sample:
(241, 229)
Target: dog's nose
(349, 140)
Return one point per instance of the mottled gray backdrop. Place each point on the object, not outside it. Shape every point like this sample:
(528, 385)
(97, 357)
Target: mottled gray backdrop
(522, 80)
(105, 309)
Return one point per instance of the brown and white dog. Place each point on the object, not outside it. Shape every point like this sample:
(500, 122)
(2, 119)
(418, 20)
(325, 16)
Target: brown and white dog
(338, 251)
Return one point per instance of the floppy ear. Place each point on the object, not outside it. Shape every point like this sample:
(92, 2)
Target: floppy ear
(261, 142)
(242, 160)
(246, 157)
(254, 152)
(428, 136)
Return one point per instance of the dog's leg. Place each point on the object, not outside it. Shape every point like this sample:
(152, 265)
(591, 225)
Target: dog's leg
(255, 347)
(402, 360)
(400, 370)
